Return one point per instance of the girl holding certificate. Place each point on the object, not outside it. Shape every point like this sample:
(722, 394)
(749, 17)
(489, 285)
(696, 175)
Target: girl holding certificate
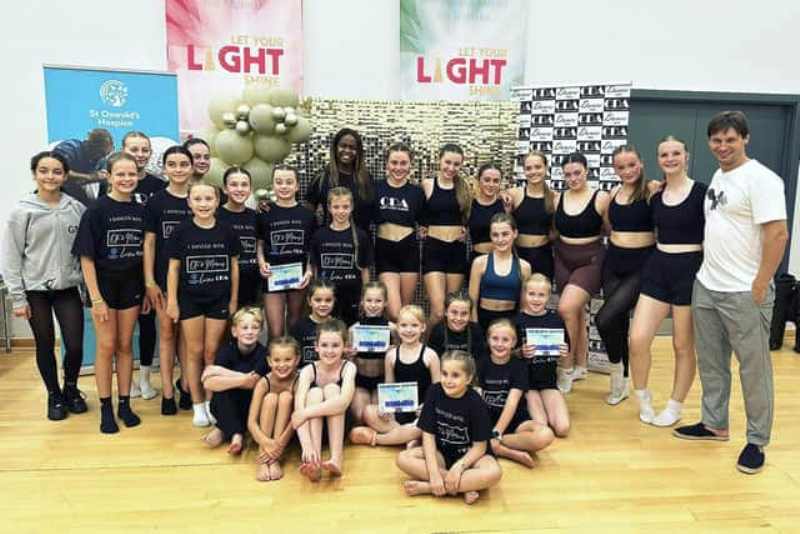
(504, 382)
(454, 457)
(284, 238)
(411, 361)
(202, 287)
(324, 391)
(545, 401)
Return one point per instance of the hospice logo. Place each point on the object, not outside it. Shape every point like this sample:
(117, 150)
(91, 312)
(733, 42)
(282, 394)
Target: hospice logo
(114, 93)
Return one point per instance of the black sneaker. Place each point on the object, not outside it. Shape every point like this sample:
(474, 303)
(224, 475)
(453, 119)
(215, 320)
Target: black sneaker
(168, 406)
(697, 432)
(75, 400)
(185, 400)
(751, 459)
(56, 409)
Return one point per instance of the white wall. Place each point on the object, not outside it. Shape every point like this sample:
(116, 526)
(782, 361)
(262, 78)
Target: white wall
(351, 51)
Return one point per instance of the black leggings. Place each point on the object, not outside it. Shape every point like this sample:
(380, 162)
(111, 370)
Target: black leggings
(613, 320)
(69, 312)
(231, 408)
(147, 338)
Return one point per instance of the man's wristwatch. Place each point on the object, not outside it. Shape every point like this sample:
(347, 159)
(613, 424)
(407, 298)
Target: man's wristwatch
(497, 435)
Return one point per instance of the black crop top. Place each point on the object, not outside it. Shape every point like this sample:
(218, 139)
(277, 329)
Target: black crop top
(588, 223)
(398, 205)
(480, 219)
(442, 208)
(684, 223)
(532, 217)
(634, 217)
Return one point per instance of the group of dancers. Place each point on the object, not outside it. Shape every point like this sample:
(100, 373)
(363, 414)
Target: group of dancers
(179, 253)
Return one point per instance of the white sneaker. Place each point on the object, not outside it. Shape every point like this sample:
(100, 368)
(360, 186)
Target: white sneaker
(148, 391)
(666, 418)
(564, 381)
(579, 373)
(135, 391)
(200, 417)
(646, 412)
(619, 389)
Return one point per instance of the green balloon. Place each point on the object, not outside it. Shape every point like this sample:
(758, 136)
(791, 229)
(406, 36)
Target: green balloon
(301, 131)
(234, 149)
(261, 119)
(271, 148)
(209, 135)
(283, 98)
(261, 171)
(215, 172)
(220, 105)
(256, 93)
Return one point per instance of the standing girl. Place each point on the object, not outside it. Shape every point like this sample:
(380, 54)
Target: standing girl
(271, 407)
(631, 242)
(454, 456)
(370, 365)
(398, 206)
(579, 254)
(238, 185)
(411, 361)
(495, 282)
(504, 382)
(486, 204)
(667, 281)
(533, 207)
(165, 211)
(321, 300)
(284, 236)
(448, 201)
(545, 401)
(201, 157)
(42, 277)
(456, 331)
(342, 253)
(202, 287)
(109, 243)
(324, 391)
(347, 168)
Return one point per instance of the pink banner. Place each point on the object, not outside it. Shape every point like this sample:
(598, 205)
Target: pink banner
(218, 46)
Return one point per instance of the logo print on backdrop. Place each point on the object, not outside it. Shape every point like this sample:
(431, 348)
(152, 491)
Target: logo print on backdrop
(114, 93)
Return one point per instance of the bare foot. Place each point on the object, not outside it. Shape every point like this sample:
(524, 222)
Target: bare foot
(263, 473)
(363, 435)
(311, 472)
(332, 467)
(413, 443)
(275, 471)
(416, 487)
(235, 447)
(471, 496)
(521, 457)
(214, 438)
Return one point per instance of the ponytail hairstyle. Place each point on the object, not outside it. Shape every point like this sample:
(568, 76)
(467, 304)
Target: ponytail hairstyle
(318, 283)
(549, 196)
(344, 192)
(401, 147)
(336, 326)
(283, 341)
(458, 296)
(488, 167)
(361, 176)
(39, 156)
(376, 284)
(236, 170)
(134, 134)
(502, 323)
(116, 157)
(640, 191)
(676, 140)
(174, 149)
(506, 218)
(463, 191)
(467, 363)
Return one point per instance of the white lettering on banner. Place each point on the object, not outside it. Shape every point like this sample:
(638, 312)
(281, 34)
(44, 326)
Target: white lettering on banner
(592, 106)
(568, 93)
(615, 118)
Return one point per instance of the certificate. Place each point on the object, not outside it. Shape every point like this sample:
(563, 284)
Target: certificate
(287, 276)
(368, 338)
(397, 397)
(547, 341)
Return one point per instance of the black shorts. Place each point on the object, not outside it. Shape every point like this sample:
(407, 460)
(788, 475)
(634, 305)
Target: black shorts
(212, 309)
(397, 256)
(486, 317)
(348, 301)
(249, 289)
(542, 376)
(370, 383)
(405, 418)
(443, 257)
(540, 258)
(621, 261)
(669, 278)
(121, 290)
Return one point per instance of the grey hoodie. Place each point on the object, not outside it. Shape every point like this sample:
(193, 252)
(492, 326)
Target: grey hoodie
(36, 248)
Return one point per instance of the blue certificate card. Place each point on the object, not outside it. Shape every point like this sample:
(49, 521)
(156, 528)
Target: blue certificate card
(287, 276)
(547, 341)
(371, 338)
(398, 397)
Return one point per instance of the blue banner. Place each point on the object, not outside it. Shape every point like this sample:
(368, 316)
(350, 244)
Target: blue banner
(81, 99)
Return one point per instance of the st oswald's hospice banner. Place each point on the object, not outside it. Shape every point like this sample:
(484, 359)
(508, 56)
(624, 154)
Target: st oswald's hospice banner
(455, 50)
(217, 47)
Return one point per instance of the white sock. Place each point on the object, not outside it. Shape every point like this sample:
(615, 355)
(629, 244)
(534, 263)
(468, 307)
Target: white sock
(616, 368)
(144, 374)
(646, 412)
(670, 415)
(199, 408)
(211, 417)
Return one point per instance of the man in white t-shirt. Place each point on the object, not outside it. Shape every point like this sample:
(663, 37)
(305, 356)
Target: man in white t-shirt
(745, 238)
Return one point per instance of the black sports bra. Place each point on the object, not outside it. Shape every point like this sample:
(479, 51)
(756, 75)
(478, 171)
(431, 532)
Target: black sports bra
(634, 217)
(442, 208)
(588, 223)
(532, 217)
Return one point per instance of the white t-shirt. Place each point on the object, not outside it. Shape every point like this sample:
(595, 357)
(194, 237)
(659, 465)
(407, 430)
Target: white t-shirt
(738, 202)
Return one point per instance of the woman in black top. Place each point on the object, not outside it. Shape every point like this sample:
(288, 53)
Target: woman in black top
(109, 244)
(486, 204)
(347, 168)
(667, 281)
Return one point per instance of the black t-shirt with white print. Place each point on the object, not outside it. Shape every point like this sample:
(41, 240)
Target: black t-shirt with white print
(287, 234)
(244, 226)
(497, 381)
(334, 256)
(304, 331)
(163, 213)
(112, 234)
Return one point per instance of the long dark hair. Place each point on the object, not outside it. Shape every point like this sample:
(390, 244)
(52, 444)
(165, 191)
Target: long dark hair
(360, 172)
(463, 190)
(640, 192)
(549, 196)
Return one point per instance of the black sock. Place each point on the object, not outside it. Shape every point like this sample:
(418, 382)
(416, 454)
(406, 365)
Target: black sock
(125, 413)
(107, 423)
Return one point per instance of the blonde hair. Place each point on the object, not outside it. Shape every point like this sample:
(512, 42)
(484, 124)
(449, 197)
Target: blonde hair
(251, 311)
(344, 192)
(192, 185)
(466, 360)
(501, 323)
(284, 341)
(414, 311)
(335, 326)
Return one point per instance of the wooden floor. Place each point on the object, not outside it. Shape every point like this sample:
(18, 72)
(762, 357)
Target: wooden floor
(612, 474)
